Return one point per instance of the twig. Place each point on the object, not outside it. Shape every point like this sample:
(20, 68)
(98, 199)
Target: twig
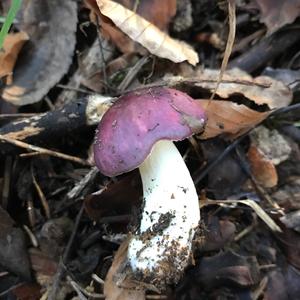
(246, 230)
(53, 125)
(41, 195)
(77, 189)
(132, 73)
(30, 210)
(61, 267)
(249, 202)
(99, 39)
(156, 297)
(229, 44)
(266, 50)
(6, 182)
(32, 237)
(97, 279)
(258, 188)
(80, 289)
(203, 172)
(75, 89)
(19, 115)
(44, 150)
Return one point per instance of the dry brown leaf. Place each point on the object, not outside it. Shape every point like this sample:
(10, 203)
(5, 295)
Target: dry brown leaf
(51, 26)
(13, 43)
(148, 35)
(262, 168)
(229, 118)
(116, 274)
(155, 11)
(261, 90)
(277, 13)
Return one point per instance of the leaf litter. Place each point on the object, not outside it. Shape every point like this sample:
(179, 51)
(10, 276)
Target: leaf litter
(51, 27)
(246, 244)
(148, 35)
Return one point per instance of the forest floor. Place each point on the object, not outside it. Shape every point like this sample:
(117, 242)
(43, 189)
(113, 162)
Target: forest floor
(63, 223)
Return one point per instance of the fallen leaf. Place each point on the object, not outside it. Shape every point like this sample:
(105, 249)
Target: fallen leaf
(226, 268)
(262, 168)
(235, 82)
(229, 118)
(156, 12)
(116, 277)
(292, 279)
(118, 197)
(51, 27)
(290, 243)
(28, 291)
(13, 43)
(148, 35)
(276, 287)
(13, 250)
(42, 263)
(277, 13)
(217, 234)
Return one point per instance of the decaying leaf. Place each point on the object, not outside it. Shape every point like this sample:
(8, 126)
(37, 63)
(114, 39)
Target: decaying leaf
(217, 234)
(157, 12)
(229, 118)
(116, 275)
(13, 43)
(118, 196)
(51, 26)
(235, 82)
(262, 168)
(13, 250)
(148, 35)
(277, 13)
(290, 242)
(227, 268)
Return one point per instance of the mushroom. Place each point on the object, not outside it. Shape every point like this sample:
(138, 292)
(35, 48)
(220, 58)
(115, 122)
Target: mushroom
(137, 131)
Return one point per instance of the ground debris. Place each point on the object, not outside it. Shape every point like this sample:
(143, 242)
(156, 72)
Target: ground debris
(64, 226)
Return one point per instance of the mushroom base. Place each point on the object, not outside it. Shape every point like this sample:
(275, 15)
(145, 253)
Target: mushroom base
(160, 250)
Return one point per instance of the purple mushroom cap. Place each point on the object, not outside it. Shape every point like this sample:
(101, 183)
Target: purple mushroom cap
(130, 128)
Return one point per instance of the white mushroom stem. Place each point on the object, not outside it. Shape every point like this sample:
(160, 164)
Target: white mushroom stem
(161, 248)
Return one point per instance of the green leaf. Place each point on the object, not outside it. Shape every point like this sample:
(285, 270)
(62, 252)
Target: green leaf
(15, 6)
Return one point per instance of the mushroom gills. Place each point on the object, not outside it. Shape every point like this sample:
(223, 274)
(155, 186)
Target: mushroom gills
(161, 248)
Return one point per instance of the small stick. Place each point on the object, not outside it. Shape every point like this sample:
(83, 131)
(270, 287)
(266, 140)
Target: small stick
(19, 115)
(30, 210)
(83, 183)
(61, 267)
(229, 44)
(80, 289)
(31, 235)
(41, 195)
(44, 150)
(152, 297)
(98, 279)
(6, 181)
